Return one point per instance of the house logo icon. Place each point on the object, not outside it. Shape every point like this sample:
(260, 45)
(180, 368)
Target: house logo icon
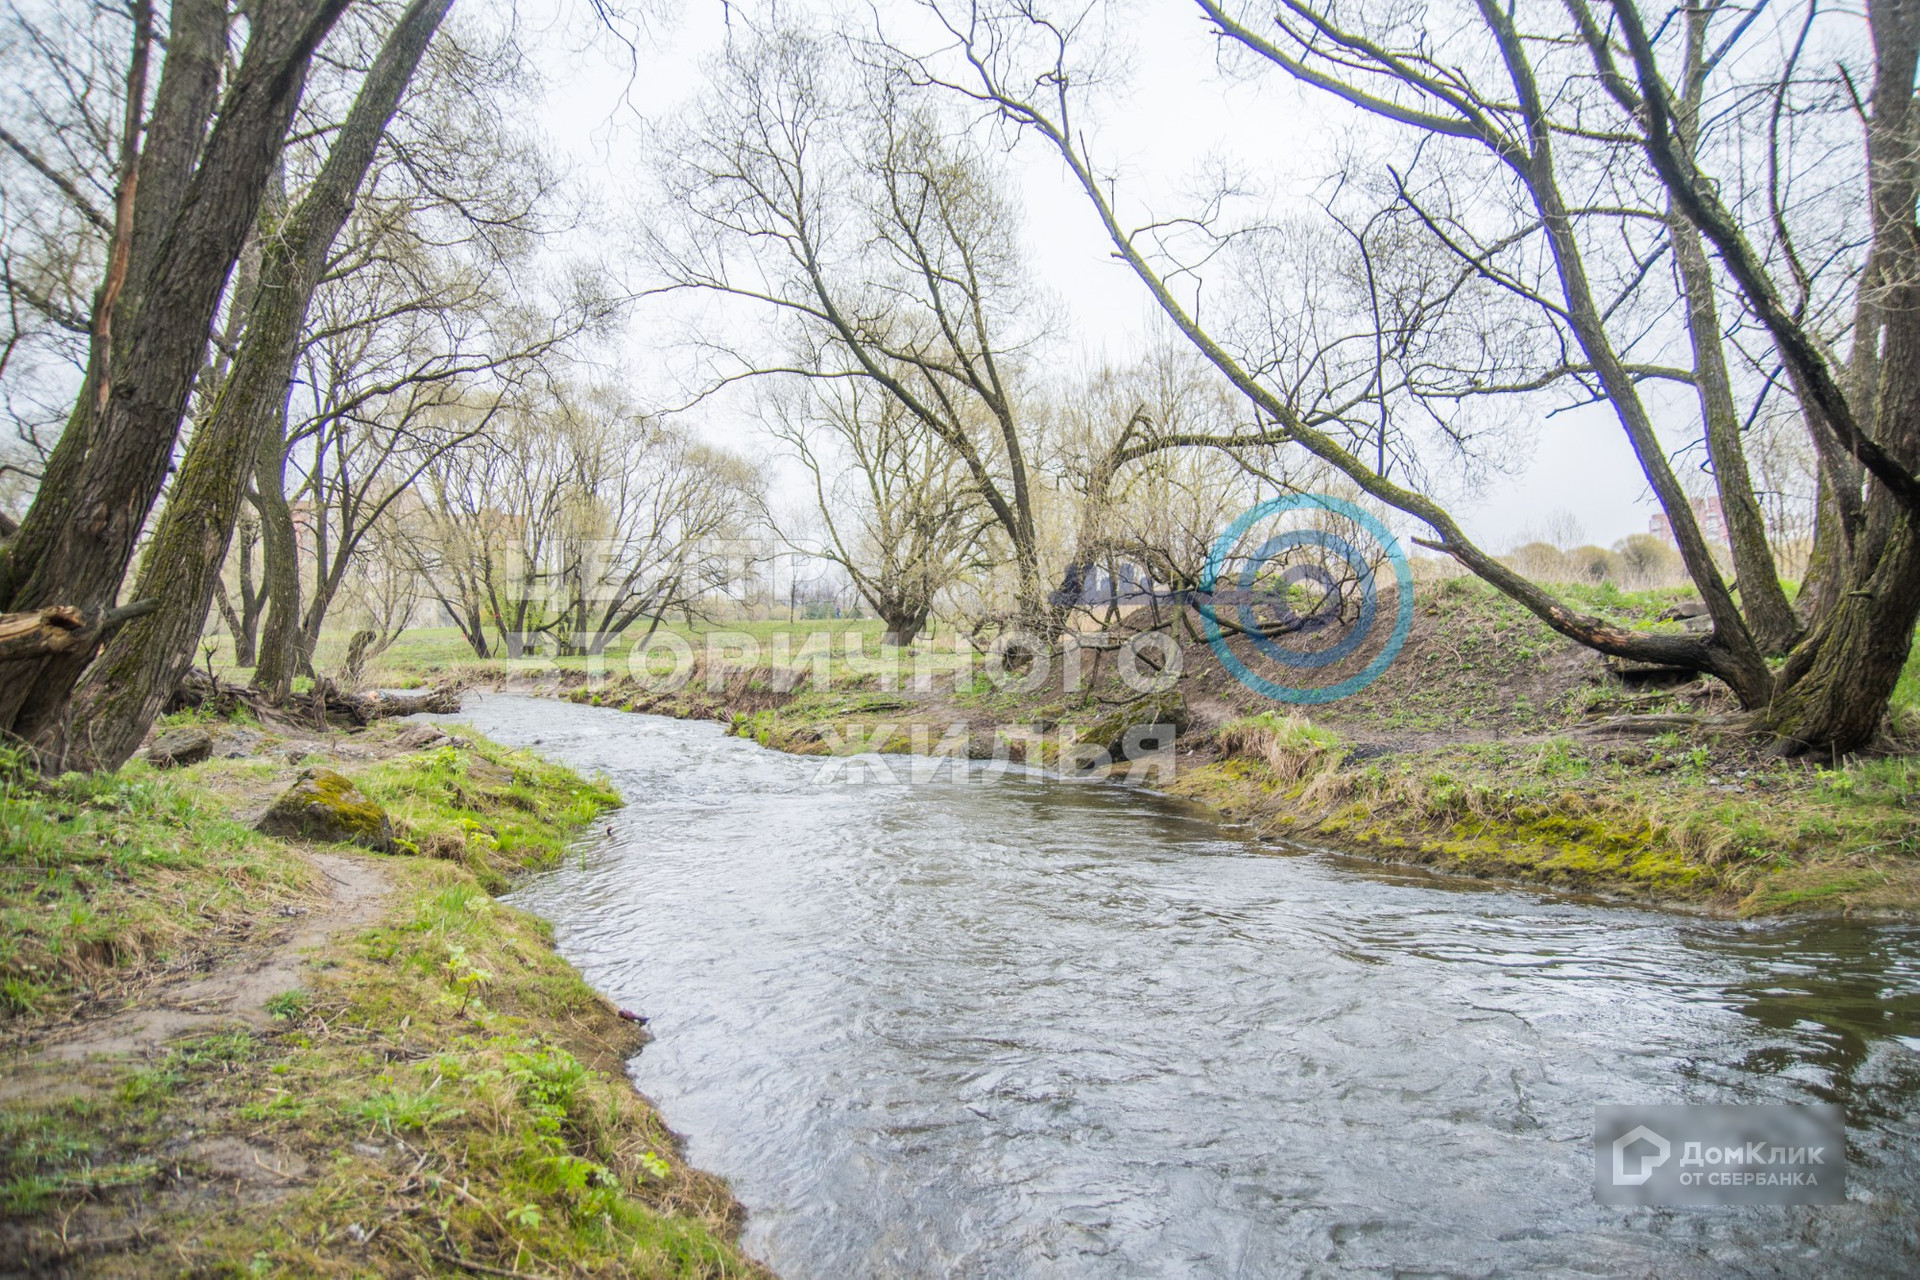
(1646, 1163)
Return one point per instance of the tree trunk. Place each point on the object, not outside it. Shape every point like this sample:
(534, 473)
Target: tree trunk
(235, 627)
(1833, 697)
(903, 624)
(325, 588)
(278, 658)
(1826, 573)
(353, 671)
(75, 542)
(129, 686)
(1836, 685)
(253, 600)
(175, 133)
(1762, 599)
(1763, 602)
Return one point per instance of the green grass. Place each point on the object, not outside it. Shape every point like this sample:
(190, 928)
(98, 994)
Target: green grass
(451, 1091)
(495, 811)
(1676, 819)
(105, 877)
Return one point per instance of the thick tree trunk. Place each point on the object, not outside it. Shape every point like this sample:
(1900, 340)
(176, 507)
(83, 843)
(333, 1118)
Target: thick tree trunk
(129, 686)
(175, 132)
(1836, 687)
(76, 541)
(903, 625)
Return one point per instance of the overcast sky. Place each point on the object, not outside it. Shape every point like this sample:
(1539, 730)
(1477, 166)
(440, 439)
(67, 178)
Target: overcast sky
(1176, 113)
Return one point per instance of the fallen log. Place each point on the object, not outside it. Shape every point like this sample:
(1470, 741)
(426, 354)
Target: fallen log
(330, 703)
(325, 704)
(62, 628)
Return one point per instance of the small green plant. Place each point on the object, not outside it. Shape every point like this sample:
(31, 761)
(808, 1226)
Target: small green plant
(282, 1106)
(399, 1109)
(467, 980)
(547, 1083)
(289, 1006)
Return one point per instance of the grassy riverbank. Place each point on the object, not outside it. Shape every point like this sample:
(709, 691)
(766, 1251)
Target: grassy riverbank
(234, 1055)
(1490, 747)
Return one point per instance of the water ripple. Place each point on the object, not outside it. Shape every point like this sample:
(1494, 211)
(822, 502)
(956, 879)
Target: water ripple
(1007, 1027)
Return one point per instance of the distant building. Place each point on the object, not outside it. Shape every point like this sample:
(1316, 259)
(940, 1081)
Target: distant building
(1706, 512)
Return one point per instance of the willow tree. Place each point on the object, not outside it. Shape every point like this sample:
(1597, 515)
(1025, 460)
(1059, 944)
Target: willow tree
(1504, 111)
(130, 683)
(876, 234)
(194, 166)
(433, 313)
(896, 507)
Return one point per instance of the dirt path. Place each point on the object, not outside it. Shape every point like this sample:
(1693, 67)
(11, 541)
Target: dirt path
(235, 992)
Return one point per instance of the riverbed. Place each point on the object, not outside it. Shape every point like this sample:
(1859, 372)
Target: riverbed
(1007, 1025)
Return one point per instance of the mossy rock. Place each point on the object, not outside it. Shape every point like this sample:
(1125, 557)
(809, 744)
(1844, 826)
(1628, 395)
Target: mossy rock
(1111, 731)
(324, 805)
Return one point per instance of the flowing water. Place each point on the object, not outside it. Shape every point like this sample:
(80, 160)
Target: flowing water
(1011, 1026)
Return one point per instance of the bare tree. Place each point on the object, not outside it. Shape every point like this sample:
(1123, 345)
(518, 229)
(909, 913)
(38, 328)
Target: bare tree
(875, 230)
(1501, 118)
(895, 505)
(652, 522)
(575, 520)
(434, 307)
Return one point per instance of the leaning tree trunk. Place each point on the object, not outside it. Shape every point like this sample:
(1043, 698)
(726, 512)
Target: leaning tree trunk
(236, 625)
(176, 131)
(76, 540)
(130, 684)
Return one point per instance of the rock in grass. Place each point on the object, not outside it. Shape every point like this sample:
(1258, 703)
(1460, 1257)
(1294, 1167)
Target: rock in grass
(180, 746)
(1111, 732)
(324, 805)
(420, 736)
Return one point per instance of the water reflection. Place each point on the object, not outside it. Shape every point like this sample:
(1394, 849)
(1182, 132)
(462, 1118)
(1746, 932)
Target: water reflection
(1016, 1028)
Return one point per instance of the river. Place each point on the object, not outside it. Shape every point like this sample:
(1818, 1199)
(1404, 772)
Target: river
(1015, 1026)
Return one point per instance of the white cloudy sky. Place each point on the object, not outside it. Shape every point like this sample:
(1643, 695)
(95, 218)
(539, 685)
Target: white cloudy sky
(1176, 113)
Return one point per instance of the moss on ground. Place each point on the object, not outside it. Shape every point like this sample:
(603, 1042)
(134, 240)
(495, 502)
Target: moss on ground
(495, 811)
(440, 1095)
(1681, 822)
